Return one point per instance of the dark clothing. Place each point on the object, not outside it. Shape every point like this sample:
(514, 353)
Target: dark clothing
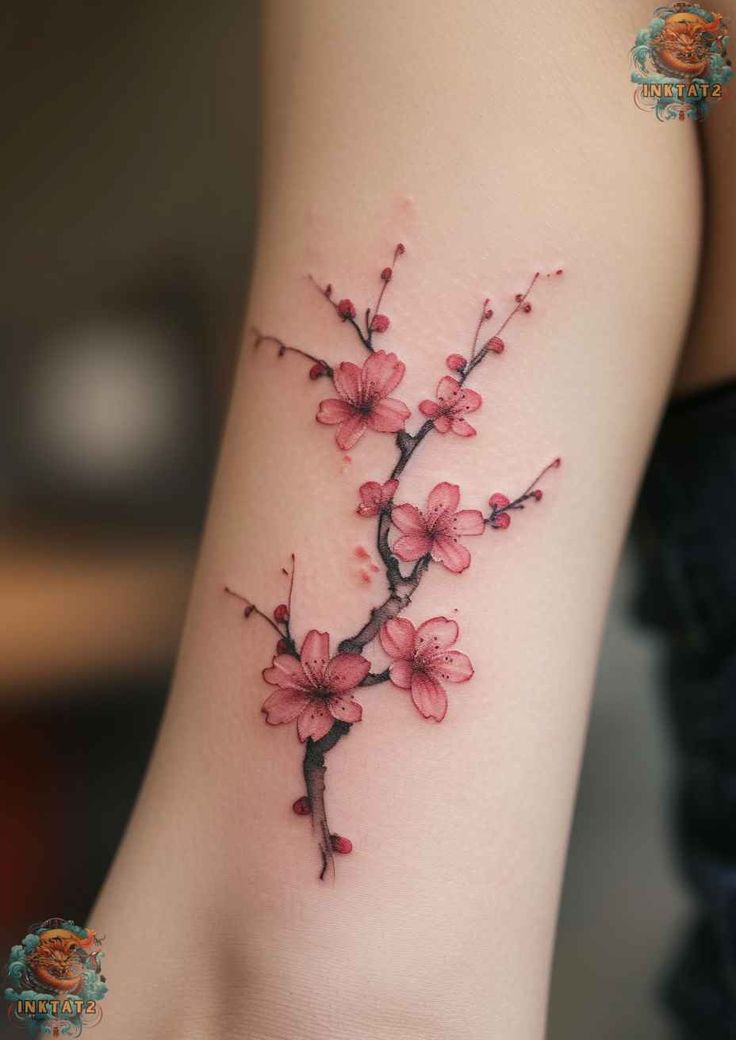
(686, 532)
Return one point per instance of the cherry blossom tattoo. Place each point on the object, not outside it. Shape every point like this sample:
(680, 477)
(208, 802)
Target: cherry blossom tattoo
(313, 682)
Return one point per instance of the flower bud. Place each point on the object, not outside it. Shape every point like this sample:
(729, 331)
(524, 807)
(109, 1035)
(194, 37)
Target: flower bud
(519, 297)
(346, 309)
(456, 362)
(538, 494)
(400, 249)
(496, 344)
(317, 370)
(248, 610)
(281, 613)
(340, 844)
(379, 323)
(526, 308)
(498, 501)
(282, 647)
(501, 521)
(386, 274)
(302, 806)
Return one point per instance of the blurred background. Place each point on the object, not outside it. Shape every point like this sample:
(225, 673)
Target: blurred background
(128, 196)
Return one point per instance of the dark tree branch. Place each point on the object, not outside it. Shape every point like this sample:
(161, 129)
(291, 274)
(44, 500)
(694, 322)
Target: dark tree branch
(401, 587)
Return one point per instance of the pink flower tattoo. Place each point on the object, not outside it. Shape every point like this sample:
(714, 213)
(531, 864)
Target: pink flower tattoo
(311, 687)
(452, 405)
(374, 496)
(437, 531)
(316, 689)
(364, 402)
(421, 660)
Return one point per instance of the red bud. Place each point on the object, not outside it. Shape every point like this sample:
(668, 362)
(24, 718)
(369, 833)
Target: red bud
(386, 274)
(496, 344)
(498, 501)
(282, 647)
(526, 308)
(379, 323)
(502, 521)
(346, 309)
(538, 494)
(456, 362)
(400, 249)
(302, 806)
(340, 844)
(281, 613)
(317, 370)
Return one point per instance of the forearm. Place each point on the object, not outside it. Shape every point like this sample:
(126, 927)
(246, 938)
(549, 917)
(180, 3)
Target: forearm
(440, 921)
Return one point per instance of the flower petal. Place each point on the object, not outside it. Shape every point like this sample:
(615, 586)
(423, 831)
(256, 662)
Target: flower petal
(451, 666)
(443, 498)
(382, 372)
(408, 519)
(471, 400)
(287, 671)
(468, 521)
(462, 428)
(442, 423)
(345, 672)
(401, 673)
(397, 638)
(428, 696)
(411, 546)
(350, 431)
(437, 634)
(429, 408)
(346, 378)
(315, 656)
(388, 491)
(388, 416)
(449, 552)
(371, 498)
(315, 721)
(284, 706)
(448, 390)
(334, 411)
(345, 708)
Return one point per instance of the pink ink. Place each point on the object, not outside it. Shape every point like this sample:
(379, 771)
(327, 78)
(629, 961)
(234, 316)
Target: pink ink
(314, 689)
(343, 846)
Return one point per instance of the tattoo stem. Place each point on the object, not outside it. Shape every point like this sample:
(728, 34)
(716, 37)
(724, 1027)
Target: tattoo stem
(251, 608)
(314, 769)
(476, 358)
(284, 348)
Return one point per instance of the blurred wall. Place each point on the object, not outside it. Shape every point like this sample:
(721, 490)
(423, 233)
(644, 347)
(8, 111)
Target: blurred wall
(128, 200)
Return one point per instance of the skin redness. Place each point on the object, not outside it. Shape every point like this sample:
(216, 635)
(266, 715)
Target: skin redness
(314, 683)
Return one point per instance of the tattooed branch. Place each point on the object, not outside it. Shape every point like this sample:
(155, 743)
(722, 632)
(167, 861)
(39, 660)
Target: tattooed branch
(314, 689)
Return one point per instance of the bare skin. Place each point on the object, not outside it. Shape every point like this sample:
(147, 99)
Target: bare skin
(468, 131)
